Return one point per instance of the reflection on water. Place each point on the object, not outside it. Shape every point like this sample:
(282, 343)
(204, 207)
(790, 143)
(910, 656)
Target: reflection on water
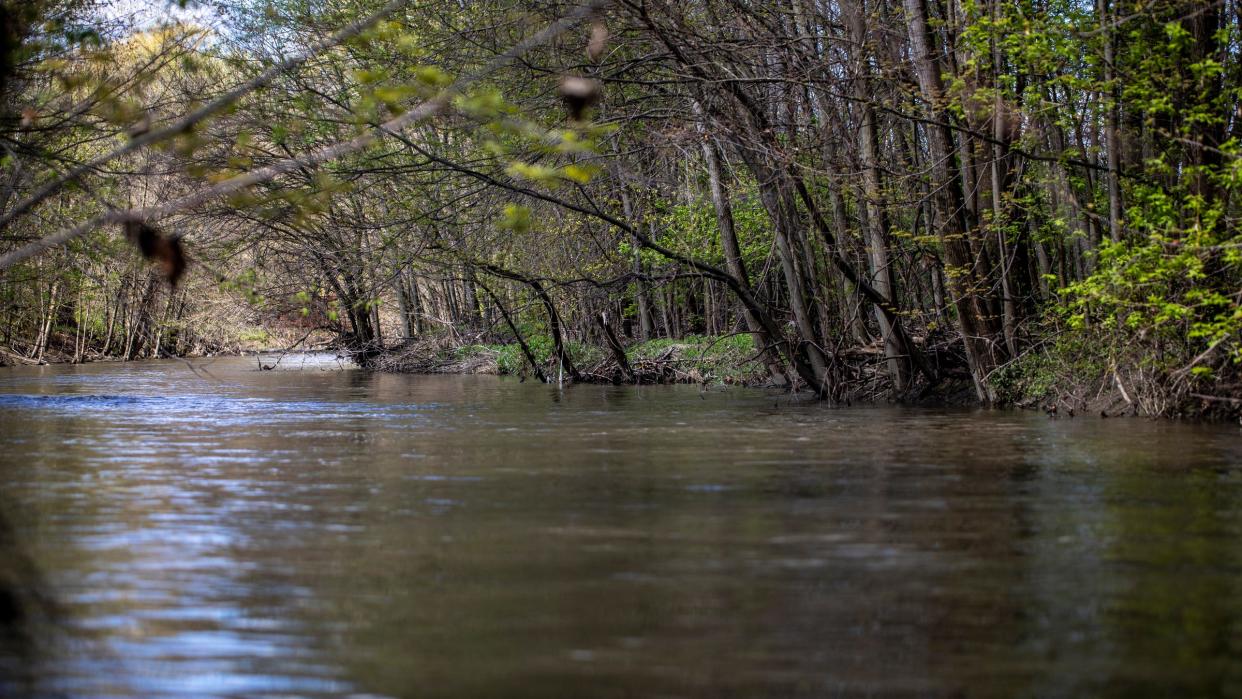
(328, 532)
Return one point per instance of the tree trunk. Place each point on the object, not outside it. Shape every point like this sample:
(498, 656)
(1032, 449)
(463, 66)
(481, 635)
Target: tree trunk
(972, 315)
(1113, 128)
(877, 218)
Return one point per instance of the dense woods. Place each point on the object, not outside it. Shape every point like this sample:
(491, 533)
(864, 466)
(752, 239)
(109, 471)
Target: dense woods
(1028, 202)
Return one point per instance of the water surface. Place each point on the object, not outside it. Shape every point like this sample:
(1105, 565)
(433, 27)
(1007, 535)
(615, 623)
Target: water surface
(323, 531)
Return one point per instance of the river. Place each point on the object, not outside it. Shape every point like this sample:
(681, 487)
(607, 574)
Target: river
(318, 530)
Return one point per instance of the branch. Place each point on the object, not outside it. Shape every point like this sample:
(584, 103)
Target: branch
(188, 121)
(419, 113)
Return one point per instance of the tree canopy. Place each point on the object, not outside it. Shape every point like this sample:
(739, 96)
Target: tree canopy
(1024, 199)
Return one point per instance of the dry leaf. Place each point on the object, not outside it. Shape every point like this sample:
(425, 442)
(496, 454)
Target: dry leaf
(598, 41)
(156, 246)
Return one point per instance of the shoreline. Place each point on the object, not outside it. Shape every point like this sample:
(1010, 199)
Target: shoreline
(673, 362)
(692, 361)
(8, 359)
(710, 361)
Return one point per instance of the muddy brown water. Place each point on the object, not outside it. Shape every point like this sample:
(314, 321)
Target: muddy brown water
(323, 531)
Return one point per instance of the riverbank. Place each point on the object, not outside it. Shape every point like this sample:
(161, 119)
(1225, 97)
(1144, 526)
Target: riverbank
(12, 359)
(728, 359)
(1068, 380)
(52, 356)
(1052, 380)
(66, 348)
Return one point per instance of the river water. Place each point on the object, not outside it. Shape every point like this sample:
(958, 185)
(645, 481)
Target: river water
(318, 530)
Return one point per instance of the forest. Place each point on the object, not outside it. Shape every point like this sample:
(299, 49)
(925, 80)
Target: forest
(1025, 203)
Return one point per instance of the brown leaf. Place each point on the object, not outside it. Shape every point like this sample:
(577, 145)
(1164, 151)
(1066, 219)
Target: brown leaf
(156, 246)
(598, 41)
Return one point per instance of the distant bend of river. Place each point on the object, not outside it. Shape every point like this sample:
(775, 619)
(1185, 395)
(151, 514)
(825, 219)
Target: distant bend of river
(319, 530)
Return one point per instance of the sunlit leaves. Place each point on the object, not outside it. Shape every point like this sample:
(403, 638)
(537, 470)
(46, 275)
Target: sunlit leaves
(432, 76)
(547, 175)
(516, 218)
(483, 104)
(581, 174)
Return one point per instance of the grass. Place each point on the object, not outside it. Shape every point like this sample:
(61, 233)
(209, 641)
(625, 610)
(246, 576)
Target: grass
(718, 359)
